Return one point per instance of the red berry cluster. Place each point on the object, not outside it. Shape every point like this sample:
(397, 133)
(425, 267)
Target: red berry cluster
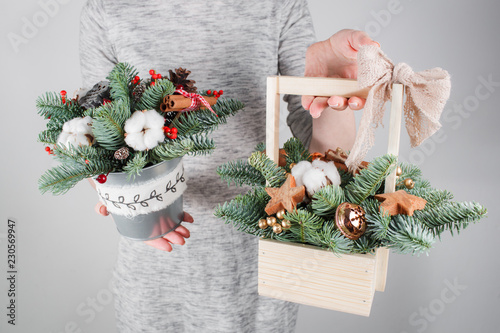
(49, 151)
(171, 133)
(136, 79)
(154, 76)
(63, 96)
(215, 93)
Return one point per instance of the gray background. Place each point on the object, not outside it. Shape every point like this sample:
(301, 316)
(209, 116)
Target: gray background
(66, 252)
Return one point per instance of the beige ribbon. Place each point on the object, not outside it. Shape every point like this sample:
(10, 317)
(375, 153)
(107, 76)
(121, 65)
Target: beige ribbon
(426, 95)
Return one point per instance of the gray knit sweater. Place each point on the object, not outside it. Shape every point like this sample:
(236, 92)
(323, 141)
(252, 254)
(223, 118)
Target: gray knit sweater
(210, 283)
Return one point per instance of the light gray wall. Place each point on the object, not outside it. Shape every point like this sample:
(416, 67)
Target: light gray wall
(66, 253)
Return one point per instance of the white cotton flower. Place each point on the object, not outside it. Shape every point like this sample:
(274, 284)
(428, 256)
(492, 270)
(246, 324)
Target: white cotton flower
(315, 175)
(144, 130)
(77, 132)
(298, 171)
(329, 169)
(313, 180)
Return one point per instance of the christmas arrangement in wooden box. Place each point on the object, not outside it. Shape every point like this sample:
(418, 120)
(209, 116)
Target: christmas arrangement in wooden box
(326, 221)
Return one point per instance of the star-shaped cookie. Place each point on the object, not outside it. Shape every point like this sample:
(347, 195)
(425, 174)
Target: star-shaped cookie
(285, 197)
(400, 202)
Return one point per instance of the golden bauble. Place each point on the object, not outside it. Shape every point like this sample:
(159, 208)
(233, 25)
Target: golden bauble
(409, 183)
(399, 171)
(271, 220)
(281, 214)
(263, 223)
(277, 228)
(285, 224)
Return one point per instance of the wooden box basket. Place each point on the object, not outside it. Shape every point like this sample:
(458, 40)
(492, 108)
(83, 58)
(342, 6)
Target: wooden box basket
(310, 275)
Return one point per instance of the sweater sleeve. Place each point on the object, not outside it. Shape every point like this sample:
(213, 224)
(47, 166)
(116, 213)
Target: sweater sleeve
(297, 35)
(97, 53)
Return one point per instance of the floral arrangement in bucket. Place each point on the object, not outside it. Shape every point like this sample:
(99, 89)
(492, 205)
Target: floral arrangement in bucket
(129, 135)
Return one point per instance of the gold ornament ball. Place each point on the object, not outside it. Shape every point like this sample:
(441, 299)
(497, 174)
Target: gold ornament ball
(263, 224)
(399, 171)
(409, 183)
(271, 220)
(280, 214)
(277, 228)
(285, 224)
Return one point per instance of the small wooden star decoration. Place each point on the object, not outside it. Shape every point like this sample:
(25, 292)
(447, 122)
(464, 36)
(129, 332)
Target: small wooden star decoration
(400, 202)
(285, 197)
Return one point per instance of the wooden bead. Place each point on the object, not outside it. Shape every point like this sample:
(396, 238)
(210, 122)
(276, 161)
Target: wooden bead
(277, 228)
(263, 224)
(409, 183)
(280, 214)
(285, 224)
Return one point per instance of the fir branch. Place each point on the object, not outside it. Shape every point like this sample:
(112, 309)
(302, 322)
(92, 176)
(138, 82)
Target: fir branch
(409, 237)
(410, 171)
(365, 244)
(369, 180)
(202, 145)
(241, 173)
(295, 152)
(452, 216)
(304, 223)
(120, 80)
(261, 147)
(62, 178)
(153, 95)
(89, 156)
(326, 200)
(51, 106)
(378, 223)
(136, 164)
(171, 149)
(274, 175)
(330, 237)
(108, 124)
(245, 211)
(48, 136)
(432, 196)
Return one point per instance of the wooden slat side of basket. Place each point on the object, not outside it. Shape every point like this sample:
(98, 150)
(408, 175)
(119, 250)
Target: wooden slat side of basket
(312, 276)
(306, 274)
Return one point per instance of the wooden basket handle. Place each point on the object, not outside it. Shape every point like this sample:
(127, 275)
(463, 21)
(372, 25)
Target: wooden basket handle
(326, 87)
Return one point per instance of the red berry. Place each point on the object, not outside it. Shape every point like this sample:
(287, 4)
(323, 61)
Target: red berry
(209, 92)
(166, 129)
(179, 86)
(105, 101)
(151, 71)
(47, 148)
(102, 178)
(137, 78)
(153, 83)
(87, 162)
(216, 94)
(221, 92)
(158, 76)
(63, 92)
(173, 136)
(173, 130)
(154, 76)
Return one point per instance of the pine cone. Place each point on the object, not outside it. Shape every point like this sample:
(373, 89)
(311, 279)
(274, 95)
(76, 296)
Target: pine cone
(138, 91)
(180, 78)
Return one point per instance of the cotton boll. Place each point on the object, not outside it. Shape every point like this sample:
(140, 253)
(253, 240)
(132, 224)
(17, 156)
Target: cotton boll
(314, 179)
(77, 132)
(153, 136)
(153, 119)
(63, 137)
(82, 139)
(136, 141)
(298, 171)
(329, 169)
(135, 123)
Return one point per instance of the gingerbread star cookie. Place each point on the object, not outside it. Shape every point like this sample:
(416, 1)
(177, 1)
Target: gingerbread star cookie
(400, 202)
(285, 197)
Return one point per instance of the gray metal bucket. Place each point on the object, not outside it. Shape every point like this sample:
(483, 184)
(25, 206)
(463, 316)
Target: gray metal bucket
(153, 224)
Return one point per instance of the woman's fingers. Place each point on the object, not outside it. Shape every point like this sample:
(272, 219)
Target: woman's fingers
(188, 218)
(356, 103)
(183, 231)
(160, 244)
(101, 209)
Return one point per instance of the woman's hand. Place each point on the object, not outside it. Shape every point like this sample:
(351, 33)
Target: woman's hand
(335, 57)
(177, 236)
